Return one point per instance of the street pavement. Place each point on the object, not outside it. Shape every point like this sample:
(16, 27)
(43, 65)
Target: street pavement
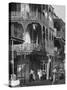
(43, 82)
(60, 82)
(38, 83)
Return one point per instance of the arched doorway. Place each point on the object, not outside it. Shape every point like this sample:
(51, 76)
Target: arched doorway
(34, 35)
(35, 32)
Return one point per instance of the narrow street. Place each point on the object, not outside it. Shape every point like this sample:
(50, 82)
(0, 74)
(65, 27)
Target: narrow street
(44, 82)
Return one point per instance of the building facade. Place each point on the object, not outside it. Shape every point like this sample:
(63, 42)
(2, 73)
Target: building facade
(59, 43)
(31, 39)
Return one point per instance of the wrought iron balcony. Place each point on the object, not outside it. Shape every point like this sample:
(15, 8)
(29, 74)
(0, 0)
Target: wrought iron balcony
(21, 15)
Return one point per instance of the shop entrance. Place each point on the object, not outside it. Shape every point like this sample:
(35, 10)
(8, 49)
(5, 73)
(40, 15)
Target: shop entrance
(43, 65)
(23, 69)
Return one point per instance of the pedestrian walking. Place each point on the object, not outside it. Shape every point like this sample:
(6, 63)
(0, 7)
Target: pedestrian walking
(32, 76)
(39, 73)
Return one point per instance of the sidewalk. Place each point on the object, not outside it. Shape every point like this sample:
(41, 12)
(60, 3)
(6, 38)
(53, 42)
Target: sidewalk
(37, 83)
(41, 82)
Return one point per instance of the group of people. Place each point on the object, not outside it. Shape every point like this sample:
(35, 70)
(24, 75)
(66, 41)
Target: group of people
(38, 75)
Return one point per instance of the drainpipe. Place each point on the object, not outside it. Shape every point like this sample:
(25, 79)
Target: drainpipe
(12, 59)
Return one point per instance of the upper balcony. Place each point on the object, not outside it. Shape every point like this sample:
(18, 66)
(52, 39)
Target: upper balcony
(27, 12)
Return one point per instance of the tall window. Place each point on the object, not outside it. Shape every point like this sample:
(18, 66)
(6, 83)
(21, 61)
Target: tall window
(43, 7)
(46, 6)
(43, 65)
(52, 36)
(43, 32)
(49, 35)
(15, 6)
(49, 9)
(39, 11)
(46, 34)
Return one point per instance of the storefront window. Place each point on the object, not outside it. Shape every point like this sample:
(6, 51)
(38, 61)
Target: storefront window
(20, 70)
(43, 65)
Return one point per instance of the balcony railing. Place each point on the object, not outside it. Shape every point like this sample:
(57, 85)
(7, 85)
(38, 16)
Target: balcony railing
(26, 15)
(15, 14)
(27, 48)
